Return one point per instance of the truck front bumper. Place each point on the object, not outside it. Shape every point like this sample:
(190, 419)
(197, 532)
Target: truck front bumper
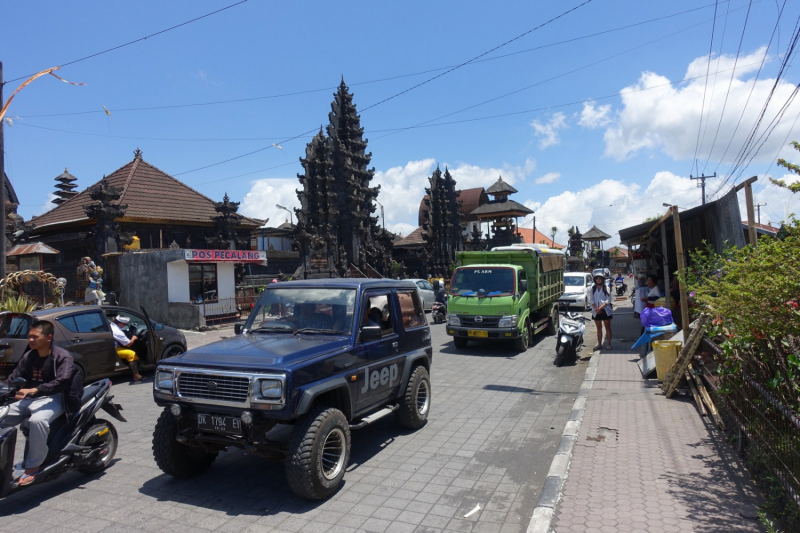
(485, 333)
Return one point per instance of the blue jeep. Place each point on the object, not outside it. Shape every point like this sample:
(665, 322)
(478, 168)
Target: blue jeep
(324, 356)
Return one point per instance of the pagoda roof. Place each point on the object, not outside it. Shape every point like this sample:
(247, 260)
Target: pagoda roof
(504, 207)
(501, 187)
(66, 176)
(595, 234)
(471, 199)
(152, 196)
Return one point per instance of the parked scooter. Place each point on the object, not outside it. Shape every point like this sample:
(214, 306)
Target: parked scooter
(84, 442)
(569, 339)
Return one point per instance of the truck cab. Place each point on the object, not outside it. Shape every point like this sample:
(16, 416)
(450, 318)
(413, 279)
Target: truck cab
(505, 294)
(320, 356)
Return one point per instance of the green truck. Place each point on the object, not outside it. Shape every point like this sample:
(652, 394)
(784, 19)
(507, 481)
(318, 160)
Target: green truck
(510, 293)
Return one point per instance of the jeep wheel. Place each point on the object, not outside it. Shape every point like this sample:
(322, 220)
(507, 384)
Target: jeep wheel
(172, 457)
(460, 342)
(522, 342)
(318, 453)
(416, 402)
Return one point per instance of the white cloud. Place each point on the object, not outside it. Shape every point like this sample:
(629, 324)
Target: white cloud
(48, 205)
(667, 118)
(264, 194)
(780, 203)
(612, 205)
(548, 132)
(594, 117)
(550, 177)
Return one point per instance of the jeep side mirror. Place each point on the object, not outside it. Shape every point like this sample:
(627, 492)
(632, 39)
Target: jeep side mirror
(370, 333)
(523, 285)
(238, 328)
(436, 285)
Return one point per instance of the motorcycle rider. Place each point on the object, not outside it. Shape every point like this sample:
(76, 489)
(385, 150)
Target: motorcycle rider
(47, 370)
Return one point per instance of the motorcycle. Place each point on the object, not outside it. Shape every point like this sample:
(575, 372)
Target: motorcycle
(621, 287)
(82, 442)
(569, 339)
(439, 312)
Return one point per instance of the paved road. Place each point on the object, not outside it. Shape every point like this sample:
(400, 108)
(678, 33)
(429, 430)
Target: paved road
(495, 424)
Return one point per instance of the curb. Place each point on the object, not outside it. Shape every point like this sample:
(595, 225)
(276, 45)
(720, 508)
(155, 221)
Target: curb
(559, 467)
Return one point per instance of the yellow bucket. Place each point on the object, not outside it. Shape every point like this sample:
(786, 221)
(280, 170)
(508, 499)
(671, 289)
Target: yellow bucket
(666, 353)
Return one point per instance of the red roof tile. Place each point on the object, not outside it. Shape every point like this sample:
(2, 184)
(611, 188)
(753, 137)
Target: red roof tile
(527, 236)
(150, 194)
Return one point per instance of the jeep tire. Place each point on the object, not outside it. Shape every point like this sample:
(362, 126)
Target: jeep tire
(318, 453)
(174, 458)
(460, 342)
(416, 402)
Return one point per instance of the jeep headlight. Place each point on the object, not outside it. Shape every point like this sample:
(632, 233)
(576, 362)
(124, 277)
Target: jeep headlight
(270, 389)
(164, 380)
(453, 320)
(508, 322)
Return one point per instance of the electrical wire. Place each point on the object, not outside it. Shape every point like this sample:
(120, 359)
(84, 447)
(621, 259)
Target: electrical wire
(714, 85)
(136, 40)
(378, 80)
(705, 87)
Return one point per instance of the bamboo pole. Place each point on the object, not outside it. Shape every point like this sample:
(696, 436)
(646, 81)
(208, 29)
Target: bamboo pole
(695, 394)
(704, 394)
(681, 266)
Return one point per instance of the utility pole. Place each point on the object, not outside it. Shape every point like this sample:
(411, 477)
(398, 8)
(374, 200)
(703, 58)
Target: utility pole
(3, 185)
(703, 183)
(758, 209)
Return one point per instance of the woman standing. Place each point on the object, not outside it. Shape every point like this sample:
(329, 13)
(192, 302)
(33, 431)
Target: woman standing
(601, 311)
(654, 293)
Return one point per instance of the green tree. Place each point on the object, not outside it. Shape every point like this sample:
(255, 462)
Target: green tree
(794, 169)
(553, 232)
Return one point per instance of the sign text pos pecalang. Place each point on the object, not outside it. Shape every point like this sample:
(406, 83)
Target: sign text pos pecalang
(230, 256)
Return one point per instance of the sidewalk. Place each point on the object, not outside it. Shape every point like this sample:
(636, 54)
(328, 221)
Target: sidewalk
(642, 462)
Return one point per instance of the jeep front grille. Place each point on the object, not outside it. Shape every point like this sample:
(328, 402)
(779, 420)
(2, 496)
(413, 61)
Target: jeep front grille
(214, 387)
(486, 321)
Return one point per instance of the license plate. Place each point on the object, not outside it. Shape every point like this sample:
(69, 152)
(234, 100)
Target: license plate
(227, 425)
(477, 333)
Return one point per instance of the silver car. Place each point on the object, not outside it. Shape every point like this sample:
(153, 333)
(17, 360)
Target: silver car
(577, 289)
(425, 292)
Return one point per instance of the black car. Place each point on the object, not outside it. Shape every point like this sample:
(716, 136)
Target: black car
(85, 331)
(323, 356)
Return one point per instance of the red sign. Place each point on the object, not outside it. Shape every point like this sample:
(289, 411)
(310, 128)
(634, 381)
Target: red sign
(230, 256)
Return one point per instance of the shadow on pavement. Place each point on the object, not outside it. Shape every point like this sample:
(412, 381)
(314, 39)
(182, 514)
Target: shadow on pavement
(29, 499)
(522, 390)
(240, 484)
(489, 348)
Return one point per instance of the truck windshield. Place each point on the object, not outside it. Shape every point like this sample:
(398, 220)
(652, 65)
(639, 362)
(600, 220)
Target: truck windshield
(469, 281)
(304, 310)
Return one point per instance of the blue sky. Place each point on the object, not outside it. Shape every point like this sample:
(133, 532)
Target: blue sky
(569, 162)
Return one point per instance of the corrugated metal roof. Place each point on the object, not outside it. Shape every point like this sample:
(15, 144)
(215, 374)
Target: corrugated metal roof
(32, 248)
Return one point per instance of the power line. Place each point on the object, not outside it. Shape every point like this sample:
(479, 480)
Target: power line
(714, 85)
(401, 92)
(192, 139)
(705, 87)
(730, 82)
(137, 40)
(378, 80)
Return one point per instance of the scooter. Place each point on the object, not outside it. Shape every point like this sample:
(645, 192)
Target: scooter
(569, 340)
(439, 312)
(621, 287)
(82, 442)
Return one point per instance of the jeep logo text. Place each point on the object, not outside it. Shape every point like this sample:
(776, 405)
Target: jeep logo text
(376, 378)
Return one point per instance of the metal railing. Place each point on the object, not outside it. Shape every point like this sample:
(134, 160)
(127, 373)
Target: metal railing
(767, 432)
(223, 310)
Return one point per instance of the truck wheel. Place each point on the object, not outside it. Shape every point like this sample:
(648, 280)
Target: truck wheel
(102, 435)
(460, 342)
(318, 453)
(174, 458)
(416, 403)
(552, 325)
(522, 342)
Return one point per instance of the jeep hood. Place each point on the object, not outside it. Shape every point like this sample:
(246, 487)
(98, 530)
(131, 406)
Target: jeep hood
(259, 351)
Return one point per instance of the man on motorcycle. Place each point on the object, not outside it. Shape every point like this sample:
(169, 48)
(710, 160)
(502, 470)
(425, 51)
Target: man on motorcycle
(47, 370)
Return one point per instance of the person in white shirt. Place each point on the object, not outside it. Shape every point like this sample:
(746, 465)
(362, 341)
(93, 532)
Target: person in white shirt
(654, 293)
(124, 344)
(601, 311)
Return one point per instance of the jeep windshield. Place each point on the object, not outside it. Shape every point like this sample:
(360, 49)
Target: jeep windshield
(482, 281)
(306, 310)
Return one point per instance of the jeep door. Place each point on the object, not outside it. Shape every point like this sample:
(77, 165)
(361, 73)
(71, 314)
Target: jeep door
(414, 331)
(89, 335)
(380, 361)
